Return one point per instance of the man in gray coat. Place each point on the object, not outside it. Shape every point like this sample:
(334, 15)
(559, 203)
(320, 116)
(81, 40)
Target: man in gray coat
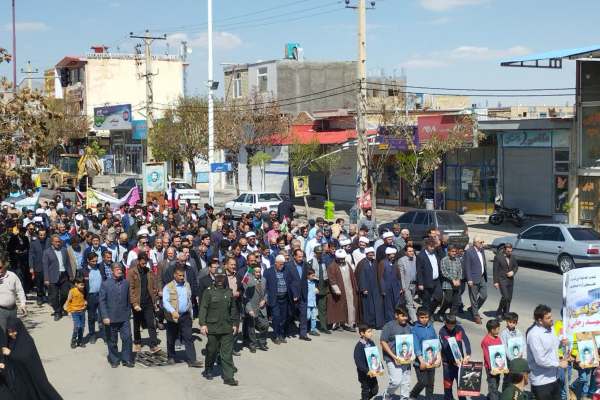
(58, 275)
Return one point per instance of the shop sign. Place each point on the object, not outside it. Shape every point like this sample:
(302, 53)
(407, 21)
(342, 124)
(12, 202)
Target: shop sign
(113, 117)
(527, 139)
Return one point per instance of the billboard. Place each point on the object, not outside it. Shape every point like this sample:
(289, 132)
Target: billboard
(113, 117)
(139, 129)
(440, 126)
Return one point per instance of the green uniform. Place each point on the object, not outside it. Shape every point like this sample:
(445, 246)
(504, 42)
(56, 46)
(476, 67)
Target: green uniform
(219, 312)
(513, 393)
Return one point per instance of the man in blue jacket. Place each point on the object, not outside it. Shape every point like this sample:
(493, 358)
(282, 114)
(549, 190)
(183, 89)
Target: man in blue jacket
(115, 309)
(277, 297)
(298, 285)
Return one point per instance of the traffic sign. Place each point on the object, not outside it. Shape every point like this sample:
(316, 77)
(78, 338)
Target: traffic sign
(220, 167)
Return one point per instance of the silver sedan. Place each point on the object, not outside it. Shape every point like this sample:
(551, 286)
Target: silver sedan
(563, 246)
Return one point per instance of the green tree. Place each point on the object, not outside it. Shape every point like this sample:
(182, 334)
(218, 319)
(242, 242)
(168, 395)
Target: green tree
(182, 133)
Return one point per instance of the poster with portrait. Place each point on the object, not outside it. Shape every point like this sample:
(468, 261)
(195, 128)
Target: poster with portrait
(374, 360)
(469, 379)
(432, 353)
(405, 348)
(587, 353)
(515, 348)
(455, 349)
(301, 186)
(498, 361)
(581, 305)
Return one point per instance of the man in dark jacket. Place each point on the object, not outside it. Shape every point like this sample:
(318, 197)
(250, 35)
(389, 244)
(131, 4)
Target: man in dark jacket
(298, 285)
(505, 269)
(428, 276)
(37, 245)
(58, 275)
(476, 276)
(115, 309)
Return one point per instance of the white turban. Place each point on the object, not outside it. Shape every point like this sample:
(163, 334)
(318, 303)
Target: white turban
(250, 234)
(387, 234)
(391, 250)
(345, 242)
(369, 250)
(363, 239)
(340, 253)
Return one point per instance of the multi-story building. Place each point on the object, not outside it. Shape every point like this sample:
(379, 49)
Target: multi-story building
(101, 79)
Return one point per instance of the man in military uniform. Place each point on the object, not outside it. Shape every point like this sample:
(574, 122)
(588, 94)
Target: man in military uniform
(219, 319)
(518, 379)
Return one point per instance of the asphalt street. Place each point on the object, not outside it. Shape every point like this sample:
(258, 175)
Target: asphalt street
(323, 368)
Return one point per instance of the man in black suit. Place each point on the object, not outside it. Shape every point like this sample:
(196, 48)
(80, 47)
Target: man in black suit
(428, 276)
(476, 276)
(37, 245)
(505, 269)
(58, 275)
(295, 272)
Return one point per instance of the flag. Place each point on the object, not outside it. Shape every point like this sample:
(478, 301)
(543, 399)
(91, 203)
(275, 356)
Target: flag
(133, 196)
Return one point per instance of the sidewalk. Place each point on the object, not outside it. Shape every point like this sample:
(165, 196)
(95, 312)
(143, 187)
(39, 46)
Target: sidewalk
(478, 224)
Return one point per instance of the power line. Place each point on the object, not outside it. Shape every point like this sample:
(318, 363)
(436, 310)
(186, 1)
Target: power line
(470, 89)
(194, 26)
(485, 95)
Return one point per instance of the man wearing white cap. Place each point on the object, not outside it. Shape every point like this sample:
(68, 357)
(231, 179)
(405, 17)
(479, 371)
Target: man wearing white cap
(346, 245)
(341, 300)
(359, 254)
(251, 238)
(389, 276)
(370, 291)
(388, 242)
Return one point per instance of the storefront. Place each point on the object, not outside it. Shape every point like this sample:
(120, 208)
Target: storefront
(533, 164)
(470, 178)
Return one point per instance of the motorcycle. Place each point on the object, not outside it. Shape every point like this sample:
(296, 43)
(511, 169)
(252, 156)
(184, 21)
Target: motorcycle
(501, 213)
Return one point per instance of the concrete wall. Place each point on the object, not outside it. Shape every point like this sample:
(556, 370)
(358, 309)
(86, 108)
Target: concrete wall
(343, 188)
(299, 78)
(115, 81)
(271, 80)
(277, 172)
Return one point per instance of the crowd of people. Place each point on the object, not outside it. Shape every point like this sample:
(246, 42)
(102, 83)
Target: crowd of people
(163, 267)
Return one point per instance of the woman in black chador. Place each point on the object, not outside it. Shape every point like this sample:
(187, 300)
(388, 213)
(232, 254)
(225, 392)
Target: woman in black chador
(26, 375)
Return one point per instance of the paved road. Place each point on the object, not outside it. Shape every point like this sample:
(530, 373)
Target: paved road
(321, 369)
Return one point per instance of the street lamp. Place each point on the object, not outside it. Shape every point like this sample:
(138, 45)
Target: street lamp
(211, 122)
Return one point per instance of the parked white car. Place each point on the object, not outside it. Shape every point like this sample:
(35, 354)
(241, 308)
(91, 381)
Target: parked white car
(564, 246)
(186, 192)
(251, 201)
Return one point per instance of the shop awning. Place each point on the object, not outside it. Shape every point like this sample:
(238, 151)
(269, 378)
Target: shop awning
(553, 59)
(304, 134)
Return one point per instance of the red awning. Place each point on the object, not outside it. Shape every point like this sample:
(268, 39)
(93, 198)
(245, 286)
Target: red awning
(305, 134)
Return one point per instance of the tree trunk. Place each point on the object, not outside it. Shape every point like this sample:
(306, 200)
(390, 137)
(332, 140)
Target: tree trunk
(327, 188)
(192, 166)
(263, 177)
(249, 154)
(374, 200)
(306, 209)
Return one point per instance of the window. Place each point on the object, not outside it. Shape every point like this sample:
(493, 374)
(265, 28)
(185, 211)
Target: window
(590, 140)
(450, 220)
(250, 198)
(269, 197)
(407, 218)
(237, 85)
(393, 92)
(554, 234)
(422, 218)
(263, 80)
(241, 199)
(584, 234)
(535, 233)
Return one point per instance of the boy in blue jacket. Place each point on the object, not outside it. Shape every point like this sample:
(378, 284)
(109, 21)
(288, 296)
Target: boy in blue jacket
(367, 380)
(423, 330)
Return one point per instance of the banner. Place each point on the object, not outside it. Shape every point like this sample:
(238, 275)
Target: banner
(581, 300)
(154, 177)
(139, 129)
(301, 186)
(92, 197)
(113, 117)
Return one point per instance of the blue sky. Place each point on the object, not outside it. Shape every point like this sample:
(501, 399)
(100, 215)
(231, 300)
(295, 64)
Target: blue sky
(450, 43)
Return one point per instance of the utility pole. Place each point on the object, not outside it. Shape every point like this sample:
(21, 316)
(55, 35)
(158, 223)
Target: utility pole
(14, 47)
(29, 71)
(148, 75)
(361, 100)
(184, 54)
(211, 122)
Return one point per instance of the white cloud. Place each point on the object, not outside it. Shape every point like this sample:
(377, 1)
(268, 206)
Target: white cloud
(444, 5)
(439, 59)
(27, 26)
(221, 40)
(440, 21)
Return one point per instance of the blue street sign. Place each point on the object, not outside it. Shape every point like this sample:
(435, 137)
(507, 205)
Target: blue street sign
(220, 167)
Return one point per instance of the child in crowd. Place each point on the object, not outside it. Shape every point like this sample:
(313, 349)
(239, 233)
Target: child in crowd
(452, 330)
(398, 371)
(75, 305)
(367, 380)
(311, 301)
(423, 330)
(511, 331)
(491, 339)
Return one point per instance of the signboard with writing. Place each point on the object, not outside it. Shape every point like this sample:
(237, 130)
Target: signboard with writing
(221, 167)
(581, 300)
(527, 139)
(139, 129)
(113, 117)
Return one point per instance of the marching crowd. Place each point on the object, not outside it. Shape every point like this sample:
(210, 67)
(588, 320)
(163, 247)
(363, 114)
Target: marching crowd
(163, 267)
